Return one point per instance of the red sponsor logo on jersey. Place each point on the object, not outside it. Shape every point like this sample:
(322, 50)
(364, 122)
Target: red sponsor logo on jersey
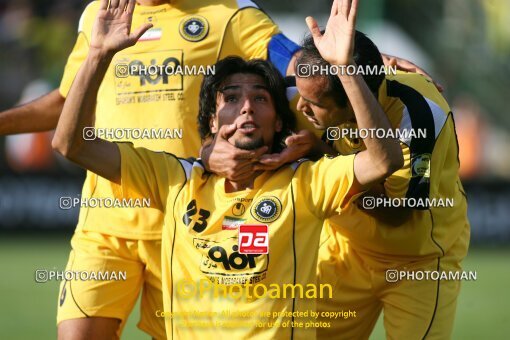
(253, 239)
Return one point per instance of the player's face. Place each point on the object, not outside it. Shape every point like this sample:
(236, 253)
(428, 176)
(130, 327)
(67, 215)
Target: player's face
(321, 110)
(244, 100)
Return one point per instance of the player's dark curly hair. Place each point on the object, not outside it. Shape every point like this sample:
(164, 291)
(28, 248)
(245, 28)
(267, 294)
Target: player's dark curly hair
(275, 84)
(365, 54)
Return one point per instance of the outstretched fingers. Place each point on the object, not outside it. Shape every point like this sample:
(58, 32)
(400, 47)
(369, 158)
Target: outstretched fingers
(122, 5)
(130, 8)
(353, 11)
(348, 8)
(334, 8)
(344, 6)
(314, 29)
(103, 4)
(114, 4)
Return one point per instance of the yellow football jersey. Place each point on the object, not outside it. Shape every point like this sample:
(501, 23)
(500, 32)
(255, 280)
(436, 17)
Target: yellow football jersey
(202, 242)
(430, 171)
(188, 36)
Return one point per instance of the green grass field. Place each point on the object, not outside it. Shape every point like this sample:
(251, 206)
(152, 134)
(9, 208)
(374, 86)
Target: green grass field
(27, 308)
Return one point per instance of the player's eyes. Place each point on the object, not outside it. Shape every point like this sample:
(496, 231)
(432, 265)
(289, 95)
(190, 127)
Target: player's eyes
(316, 106)
(231, 99)
(312, 105)
(261, 99)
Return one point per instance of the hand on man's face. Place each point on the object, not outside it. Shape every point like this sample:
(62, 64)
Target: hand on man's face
(245, 101)
(226, 160)
(244, 126)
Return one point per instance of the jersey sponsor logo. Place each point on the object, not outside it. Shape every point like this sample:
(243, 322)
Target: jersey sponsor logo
(234, 260)
(231, 223)
(222, 262)
(253, 239)
(238, 209)
(266, 209)
(147, 78)
(194, 28)
(420, 165)
(145, 87)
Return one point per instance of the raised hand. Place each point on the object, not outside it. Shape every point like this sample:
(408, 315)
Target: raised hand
(112, 29)
(337, 43)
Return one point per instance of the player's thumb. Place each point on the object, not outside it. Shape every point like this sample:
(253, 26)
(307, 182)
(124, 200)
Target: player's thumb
(302, 137)
(139, 32)
(227, 131)
(314, 29)
(293, 140)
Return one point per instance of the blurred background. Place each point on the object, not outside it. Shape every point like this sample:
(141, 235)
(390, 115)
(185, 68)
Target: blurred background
(463, 44)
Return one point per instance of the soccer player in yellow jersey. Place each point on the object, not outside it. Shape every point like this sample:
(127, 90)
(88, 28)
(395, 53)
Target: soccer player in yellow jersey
(186, 34)
(367, 248)
(201, 245)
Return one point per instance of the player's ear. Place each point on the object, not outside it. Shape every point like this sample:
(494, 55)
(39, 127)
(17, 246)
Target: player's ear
(213, 124)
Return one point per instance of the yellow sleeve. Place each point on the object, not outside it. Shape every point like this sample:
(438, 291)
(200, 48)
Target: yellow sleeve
(326, 185)
(414, 179)
(149, 174)
(80, 49)
(248, 34)
(397, 184)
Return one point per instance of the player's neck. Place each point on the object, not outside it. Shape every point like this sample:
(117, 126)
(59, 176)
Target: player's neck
(233, 186)
(152, 2)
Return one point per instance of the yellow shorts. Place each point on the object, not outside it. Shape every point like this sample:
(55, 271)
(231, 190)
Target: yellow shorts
(412, 309)
(100, 255)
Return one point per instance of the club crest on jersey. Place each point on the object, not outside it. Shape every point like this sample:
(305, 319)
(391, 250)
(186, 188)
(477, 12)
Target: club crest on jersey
(420, 165)
(266, 209)
(194, 28)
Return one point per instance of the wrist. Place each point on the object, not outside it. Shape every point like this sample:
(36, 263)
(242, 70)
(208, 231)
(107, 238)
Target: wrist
(341, 62)
(100, 55)
(349, 71)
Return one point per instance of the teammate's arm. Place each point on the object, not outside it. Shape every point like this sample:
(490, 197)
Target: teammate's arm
(408, 66)
(111, 33)
(42, 114)
(38, 115)
(383, 156)
(301, 144)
